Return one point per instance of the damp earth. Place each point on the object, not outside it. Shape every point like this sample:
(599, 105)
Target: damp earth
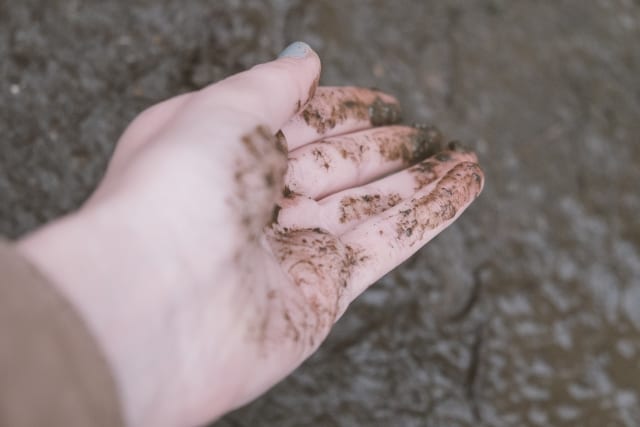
(525, 312)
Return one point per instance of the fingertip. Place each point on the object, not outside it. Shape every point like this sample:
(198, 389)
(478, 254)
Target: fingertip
(296, 50)
(340, 110)
(268, 94)
(301, 51)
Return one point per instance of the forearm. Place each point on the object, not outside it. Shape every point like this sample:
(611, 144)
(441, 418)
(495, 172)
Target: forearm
(100, 260)
(53, 371)
(93, 266)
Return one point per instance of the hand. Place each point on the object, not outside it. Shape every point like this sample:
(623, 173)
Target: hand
(234, 226)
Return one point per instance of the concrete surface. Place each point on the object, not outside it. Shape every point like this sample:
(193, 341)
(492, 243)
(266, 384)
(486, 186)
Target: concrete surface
(526, 312)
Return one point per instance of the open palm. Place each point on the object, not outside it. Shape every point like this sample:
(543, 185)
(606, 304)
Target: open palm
(235, 225)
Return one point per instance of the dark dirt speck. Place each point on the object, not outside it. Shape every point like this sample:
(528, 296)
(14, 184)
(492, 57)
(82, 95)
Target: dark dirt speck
(383, 113)
(353, 209)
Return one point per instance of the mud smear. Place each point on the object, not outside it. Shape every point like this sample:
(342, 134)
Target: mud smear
(384, 113)
(454, 191)
(424, 173)
(417, 145)
(458, 147)
(275, 214)
(259, 176)
(353, 209)
(391, 147)
(281, 143)
(322, 158)
(434, 167)
(312, 89)
(320, 268)
(394, 143)
(330, 108)
(288, 193)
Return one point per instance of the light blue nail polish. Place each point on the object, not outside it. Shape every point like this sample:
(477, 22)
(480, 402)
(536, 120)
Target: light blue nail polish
(295, 50)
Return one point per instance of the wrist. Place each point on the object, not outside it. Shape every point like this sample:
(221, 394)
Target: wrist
(96, 267)
(117, 273)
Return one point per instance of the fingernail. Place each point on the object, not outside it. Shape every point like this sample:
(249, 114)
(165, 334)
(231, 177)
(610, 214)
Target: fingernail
(295, 50)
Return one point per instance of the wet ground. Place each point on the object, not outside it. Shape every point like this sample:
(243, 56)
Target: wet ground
(525, 312)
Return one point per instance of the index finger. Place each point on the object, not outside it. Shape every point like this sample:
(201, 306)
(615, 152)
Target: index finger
(338, 110)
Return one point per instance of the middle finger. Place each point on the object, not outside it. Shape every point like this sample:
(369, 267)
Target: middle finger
(334, 164)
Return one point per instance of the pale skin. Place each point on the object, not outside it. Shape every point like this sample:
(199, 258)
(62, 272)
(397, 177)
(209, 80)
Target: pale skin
(215, 256)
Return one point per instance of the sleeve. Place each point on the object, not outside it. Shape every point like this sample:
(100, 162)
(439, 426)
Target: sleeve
(52, 371)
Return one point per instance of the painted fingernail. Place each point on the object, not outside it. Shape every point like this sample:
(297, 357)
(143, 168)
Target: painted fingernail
(295, 50)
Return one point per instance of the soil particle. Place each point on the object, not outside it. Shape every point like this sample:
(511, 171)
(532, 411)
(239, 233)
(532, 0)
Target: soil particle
(275, 214)
(458, 147)
(322, 158)
(315, 119)
(357, 208)
(411, 147)
(427, 142)
(431, 169)
(258, 176)
(330, 107)
(383, 113)
(281, 143)
(424, 173)
(453, 192)
(287, 192)
(443, 157)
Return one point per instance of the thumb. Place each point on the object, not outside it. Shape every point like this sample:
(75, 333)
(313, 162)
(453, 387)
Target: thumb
(238, 117)
(266, 95)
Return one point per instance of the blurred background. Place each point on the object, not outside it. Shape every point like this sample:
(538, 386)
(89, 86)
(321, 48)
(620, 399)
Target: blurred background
(525, 312)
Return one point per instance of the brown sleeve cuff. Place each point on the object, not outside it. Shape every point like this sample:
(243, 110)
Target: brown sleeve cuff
(52, 371)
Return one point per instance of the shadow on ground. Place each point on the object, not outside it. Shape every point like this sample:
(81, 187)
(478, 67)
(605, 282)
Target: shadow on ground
(525, 312)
